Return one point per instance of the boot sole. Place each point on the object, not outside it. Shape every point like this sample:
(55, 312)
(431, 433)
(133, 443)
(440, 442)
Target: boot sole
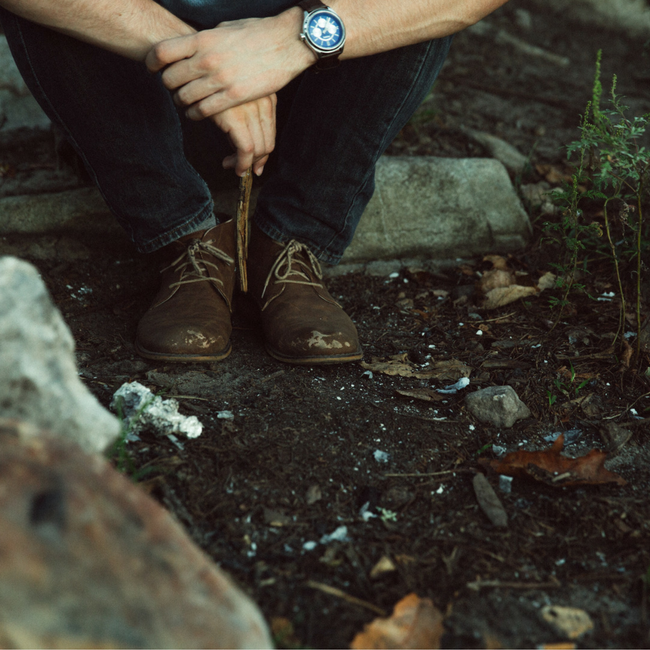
(317, 360)
(181, 358)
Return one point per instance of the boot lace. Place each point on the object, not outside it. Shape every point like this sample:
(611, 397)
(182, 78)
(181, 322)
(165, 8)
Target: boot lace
(193, 270)
(291, 269)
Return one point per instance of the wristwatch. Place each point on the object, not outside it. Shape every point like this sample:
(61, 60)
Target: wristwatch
(323, 32)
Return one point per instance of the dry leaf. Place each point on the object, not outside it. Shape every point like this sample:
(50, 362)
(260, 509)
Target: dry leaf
(415, 623)
(627, 354)
(283, 632)
(497, 262)
(615, 436)
(502, 296)
(451, 370)
(553, 174)
(547, 281)
(552, 468)
(496, 278)
(489, 501)
(424, 394)
(385, 565)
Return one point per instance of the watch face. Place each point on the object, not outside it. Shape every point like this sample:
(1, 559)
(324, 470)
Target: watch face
(325, 30)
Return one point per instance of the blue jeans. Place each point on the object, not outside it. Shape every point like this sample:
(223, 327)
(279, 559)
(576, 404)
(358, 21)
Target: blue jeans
(151, 164)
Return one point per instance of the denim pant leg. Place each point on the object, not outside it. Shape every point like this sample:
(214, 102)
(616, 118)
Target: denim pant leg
(123, 123)
(340, 122)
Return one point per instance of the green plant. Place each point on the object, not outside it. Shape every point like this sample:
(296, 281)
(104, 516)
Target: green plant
(570, 388)
(118, 453)
(613, 169)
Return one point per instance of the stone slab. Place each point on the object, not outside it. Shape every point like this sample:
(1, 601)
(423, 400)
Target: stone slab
(440, 208)
(426, 207)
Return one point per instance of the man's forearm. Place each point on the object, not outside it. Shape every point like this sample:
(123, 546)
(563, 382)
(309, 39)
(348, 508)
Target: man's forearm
(383, 25)
(128, 27)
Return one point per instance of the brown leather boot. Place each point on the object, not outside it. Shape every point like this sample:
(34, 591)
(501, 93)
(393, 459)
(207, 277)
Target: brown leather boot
(302, 323)
(189, 319)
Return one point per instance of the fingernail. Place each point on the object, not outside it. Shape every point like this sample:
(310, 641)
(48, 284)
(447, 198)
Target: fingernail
(259, 171)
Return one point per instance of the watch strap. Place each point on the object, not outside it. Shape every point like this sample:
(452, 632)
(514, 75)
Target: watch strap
(323, 62)
(311, 5)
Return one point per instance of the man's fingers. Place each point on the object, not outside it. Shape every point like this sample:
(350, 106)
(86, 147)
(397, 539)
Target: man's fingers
(170, 51)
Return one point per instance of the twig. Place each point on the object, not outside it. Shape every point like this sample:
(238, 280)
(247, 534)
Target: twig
(416, 474)
(245, 186)
(201, 399)
(492, 320)
(333, 591)
(498, 584)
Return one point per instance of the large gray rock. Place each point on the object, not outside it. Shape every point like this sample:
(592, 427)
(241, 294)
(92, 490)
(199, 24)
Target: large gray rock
(499, 406)
(440, 208)
(88, 560)
(38, 373)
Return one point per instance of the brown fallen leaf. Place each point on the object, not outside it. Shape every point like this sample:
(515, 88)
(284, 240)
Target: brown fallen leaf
(489, 501)
(627, 355)
(551, 467)
(451, 370)
(415, 623)
(497, 261)
(553, 174)
(496, 278)
(424, 394)
(502, 296)
(547, 281)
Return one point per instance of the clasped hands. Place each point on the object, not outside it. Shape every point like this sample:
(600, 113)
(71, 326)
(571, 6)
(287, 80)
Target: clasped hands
(230, 75)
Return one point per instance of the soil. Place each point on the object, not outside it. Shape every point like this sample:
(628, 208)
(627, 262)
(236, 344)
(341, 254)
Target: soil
(288, 454)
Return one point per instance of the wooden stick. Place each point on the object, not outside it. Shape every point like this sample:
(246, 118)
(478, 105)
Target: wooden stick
(333, 591)
(245, 186)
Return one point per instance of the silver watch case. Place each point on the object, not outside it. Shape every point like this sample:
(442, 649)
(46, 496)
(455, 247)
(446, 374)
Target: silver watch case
(322, 51)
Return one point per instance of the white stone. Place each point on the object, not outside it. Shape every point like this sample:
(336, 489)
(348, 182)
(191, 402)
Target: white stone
(38, 373)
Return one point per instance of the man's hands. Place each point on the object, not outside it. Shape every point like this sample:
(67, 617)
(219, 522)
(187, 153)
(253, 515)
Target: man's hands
(231, 74)
(232, 64)
(250, 128)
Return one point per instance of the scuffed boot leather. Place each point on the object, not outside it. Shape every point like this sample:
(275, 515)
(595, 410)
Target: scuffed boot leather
(189, 319)
(302, 323)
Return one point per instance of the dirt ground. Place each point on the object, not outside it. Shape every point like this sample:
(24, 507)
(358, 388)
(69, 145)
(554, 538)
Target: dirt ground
(288, 454)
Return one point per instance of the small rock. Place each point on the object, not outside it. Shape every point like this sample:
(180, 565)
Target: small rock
(512, 159)
(87, 559)
(570, 622)
(497, 405)
(38, 373)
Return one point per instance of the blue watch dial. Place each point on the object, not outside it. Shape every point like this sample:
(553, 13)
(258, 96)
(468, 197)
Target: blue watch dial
(325, 30)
